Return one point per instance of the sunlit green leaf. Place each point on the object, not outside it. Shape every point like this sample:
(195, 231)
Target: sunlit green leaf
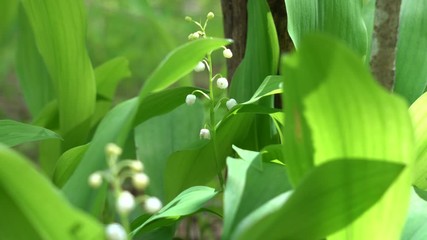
(341, 19)
(329, 198)
(416, 222)
(247, 177)
(419, 115)
(335, 110)
(13, 133)
(31, 208)
(411, 60)
(180, 62)
(34, 78)
(187, 202)
(59, 28)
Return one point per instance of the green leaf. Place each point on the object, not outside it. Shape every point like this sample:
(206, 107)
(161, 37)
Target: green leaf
(418, 111)
(416, 222)
(34, 78)
(157, 138)
(13, 133)
(187, 202)
(411, 60)
(113, 128)
(330, 197)
(31, 208)
(247, 177)
(59, 29)
(67, 163)
(180, 62)
(341, 19)
(197, 164)
(270, 86)
(261, 54)
(335, 110)
(161, 102)
(7, 14)
(109, 74)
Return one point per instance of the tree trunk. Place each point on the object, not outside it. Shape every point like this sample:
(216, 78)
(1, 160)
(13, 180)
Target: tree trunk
(383, 58)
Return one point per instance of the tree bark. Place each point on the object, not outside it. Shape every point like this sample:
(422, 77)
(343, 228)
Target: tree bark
(235, 27)
(383, 57)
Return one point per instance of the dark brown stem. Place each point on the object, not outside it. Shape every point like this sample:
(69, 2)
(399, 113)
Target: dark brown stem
(384, 41)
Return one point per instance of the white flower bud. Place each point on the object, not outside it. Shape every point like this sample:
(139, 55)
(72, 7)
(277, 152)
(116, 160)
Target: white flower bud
(95, 180)
(210, 15)
(137, 166)
(200, 67)
(190, 99)
(125, 202)
(140, 181)
(231, 103)
(152, 205)
(227, 53)
(115, 231)
(205, 134)
(113, 150)
(222, 83)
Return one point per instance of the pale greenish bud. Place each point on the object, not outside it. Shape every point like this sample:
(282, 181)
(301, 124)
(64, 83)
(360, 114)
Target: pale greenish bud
(125, 202)
(222, 83)
(210, 15)
(188, 19)
(152, 205)
(227, 53)
(95, 180)
(115, 231)
(231, 103)
(190, 99)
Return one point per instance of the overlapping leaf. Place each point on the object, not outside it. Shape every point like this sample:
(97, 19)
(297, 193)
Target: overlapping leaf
(33, 209)
(411, 59)
(336, 110)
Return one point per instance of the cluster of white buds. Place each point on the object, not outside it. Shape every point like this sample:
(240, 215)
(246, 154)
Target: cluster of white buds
(195, 35)
(125, 202)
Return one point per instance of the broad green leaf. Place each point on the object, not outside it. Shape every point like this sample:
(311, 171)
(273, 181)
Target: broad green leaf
(119, 122)
(418, 111)
(67, 163)
(157, 138)
(270, 86)
(109, 74)
(416, 222)
(161, 102)
(13, 133)
(8, 12)
(411, 60)
(180, 62)
(336, 110)
(247, 177)
(59, 28)
(187, 202)
(197, 164)
(34, 78)
(260, 60)
(261, 55)
(341, 19)
(31, 208)
(113, 128)
(330, 197)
